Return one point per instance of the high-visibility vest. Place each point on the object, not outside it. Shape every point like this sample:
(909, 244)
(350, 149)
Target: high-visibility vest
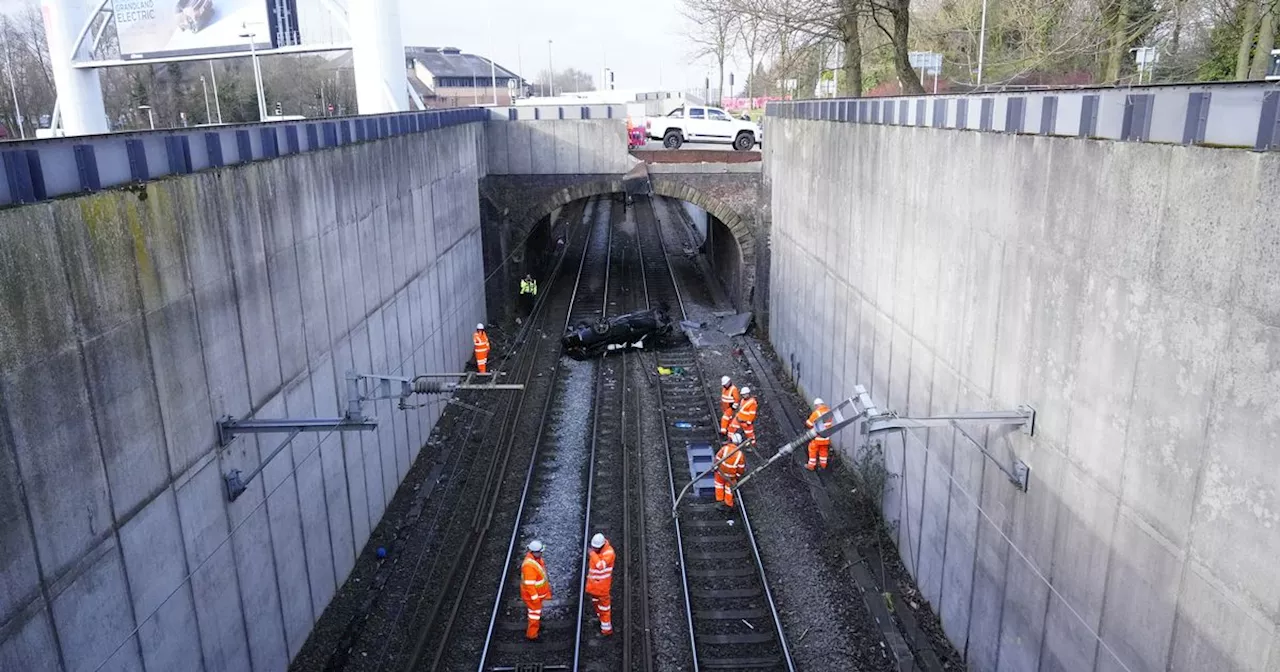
(529, 287)
(481, 341)
(729, 395)
(735, 465)
(533, 574)
(600, 570)
(813, 417)
(747, 412)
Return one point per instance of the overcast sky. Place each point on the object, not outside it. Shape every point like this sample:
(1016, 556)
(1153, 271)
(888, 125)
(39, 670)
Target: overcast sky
(642, 42)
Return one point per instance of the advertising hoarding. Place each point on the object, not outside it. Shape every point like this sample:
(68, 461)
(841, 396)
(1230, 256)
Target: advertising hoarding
(159, 28)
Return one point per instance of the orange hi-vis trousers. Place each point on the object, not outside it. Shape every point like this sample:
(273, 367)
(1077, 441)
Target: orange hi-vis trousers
(605, 611)
(535, 618)
(724, 488)
(818, 451)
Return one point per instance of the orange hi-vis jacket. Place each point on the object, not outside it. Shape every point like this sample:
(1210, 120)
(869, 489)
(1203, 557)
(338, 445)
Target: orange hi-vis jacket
(534, 586)
(481, 340)
(746, 412)
(600, 570)
(728, 397)
(813, 417)
(732, 468)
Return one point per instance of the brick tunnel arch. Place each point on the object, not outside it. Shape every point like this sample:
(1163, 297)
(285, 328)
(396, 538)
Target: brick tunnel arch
(737, 223)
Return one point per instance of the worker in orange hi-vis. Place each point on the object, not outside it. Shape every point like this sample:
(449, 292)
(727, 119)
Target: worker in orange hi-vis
(600, 558)
(820, 446)
(481, 340)
(729, 399)
(729, 471)
(744, 421)
(534, 587)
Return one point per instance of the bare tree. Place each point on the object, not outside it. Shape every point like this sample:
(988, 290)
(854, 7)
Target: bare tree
(713, 31)
(754, 38)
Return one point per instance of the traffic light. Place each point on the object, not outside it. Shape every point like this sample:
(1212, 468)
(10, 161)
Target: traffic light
(279, 110)
(330, 108)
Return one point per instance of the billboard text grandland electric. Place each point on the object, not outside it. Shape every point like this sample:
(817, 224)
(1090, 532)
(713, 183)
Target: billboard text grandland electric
(158, 28)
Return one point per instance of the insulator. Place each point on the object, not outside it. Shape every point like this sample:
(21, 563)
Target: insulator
(424, 385)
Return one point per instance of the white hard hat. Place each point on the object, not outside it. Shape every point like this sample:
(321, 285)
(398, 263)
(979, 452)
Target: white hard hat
(597, 541)
(746, 391)
(724, 381)
(535, 546)
(480, 326)
(817, 401)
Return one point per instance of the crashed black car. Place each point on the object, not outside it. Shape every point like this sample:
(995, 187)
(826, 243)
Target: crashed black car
(633, 330)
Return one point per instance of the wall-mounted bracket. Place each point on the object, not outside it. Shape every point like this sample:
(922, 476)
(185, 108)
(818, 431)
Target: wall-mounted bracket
(1022, 418)
(361, 387)
(1021, 475)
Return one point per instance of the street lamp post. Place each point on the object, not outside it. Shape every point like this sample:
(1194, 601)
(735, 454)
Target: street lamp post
(551, 72)
(151, 118)
(13, 88)
(982, 41)
(208, 114)
(257, 74)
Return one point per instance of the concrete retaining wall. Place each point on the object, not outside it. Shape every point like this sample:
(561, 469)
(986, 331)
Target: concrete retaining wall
(1131, 293)
(131, 320)
(557, 147)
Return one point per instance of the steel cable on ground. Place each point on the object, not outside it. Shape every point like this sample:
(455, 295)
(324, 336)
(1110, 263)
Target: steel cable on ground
(426, 339)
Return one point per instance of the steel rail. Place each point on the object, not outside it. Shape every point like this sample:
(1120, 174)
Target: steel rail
(529, 474)
(483, 514)
(750, 535)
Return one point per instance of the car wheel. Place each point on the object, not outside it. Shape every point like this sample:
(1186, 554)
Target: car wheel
(672, 140)
(743, 142)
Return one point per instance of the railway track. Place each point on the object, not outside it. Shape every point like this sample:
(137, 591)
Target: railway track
(732, 618)
(573, 432)
(532, 356)
(616, 490)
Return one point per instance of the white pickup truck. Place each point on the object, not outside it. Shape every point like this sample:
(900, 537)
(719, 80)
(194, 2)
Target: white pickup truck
(703, 124)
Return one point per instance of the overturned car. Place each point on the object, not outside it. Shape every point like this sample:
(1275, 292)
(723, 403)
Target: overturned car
(632, 330)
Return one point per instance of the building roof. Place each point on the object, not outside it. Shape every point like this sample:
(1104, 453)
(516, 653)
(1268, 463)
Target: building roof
(440, 61)
(451, 62)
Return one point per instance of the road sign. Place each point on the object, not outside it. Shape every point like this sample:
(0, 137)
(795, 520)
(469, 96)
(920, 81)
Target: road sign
(929, 62)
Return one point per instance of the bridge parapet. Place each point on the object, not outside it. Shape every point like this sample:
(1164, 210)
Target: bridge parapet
(39, 170)
(557, 140)
(1237, 114)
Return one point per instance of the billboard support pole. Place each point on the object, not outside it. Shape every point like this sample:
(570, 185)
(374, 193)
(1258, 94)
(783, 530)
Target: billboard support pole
(377, 58)
(79, 91)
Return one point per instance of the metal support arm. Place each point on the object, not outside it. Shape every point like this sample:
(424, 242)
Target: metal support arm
(361, 387)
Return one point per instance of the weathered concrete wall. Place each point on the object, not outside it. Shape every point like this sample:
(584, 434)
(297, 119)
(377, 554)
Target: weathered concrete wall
(131, 320)
(1131, 293)
(557, 147)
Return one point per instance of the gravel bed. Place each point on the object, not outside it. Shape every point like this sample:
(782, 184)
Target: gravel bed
(556, 514)
(361, 625)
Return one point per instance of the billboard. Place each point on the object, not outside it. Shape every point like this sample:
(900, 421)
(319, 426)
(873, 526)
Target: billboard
(159, 28)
